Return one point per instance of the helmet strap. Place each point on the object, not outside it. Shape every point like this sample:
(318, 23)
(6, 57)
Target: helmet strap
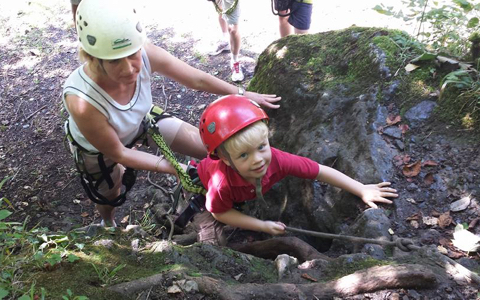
(225, 154)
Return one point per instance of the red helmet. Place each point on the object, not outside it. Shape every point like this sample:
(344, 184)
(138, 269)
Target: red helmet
(226, 116)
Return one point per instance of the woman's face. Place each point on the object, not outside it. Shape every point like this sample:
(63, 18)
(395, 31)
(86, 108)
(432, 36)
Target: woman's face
(124, 70)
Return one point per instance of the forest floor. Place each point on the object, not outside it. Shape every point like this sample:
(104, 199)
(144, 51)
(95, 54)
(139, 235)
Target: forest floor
(38, 52)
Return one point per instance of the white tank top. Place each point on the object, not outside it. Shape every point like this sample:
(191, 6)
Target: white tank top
(125, 119)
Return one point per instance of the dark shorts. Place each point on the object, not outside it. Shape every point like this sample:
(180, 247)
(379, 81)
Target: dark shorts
(301, 15)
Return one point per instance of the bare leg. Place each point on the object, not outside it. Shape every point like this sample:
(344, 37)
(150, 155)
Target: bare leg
(74, 11)
(235, 41)
(188, 142)
(107, 213)
(284, 27)
(223, 25)
(300, 31)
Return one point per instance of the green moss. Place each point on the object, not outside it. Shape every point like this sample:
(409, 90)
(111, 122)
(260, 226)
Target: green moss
(343, 267)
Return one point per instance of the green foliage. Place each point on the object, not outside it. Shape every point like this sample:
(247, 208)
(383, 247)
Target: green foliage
(105, 275)
(70, 296)
(22, 249)
(444, 25)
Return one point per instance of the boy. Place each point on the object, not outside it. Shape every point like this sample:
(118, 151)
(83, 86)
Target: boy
(242, 165)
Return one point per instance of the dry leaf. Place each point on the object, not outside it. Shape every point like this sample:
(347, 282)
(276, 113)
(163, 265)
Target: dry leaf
(412, 170)
(442, 249)
(410, 67)
(414, 224)
(392, 120)
(444, 220)
(400, 160)
(404, 128)
(473, 223)
(411, 200)
(414, 217)
(460, 204)
(430, 221)
(465, 240)
(306, 276)
(429, 179)
(125, 219)
(84, 214)
(429, 163)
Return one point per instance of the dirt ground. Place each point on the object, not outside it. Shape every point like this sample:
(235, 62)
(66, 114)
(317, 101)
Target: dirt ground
(38, 52)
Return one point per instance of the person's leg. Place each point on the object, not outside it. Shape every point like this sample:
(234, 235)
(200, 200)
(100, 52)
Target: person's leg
(90, 165)
(182, 137)
(209, 230)
(301, 17)
(233, 20)
(284, 27)
(235, 41)
(74, 9)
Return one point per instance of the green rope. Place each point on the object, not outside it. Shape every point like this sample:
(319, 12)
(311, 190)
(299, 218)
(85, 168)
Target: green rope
(228, 11)
(185, 179)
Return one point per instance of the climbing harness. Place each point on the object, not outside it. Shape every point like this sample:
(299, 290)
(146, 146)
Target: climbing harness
(91, 181)
(281, 5)
(227, 11)
(403, 244)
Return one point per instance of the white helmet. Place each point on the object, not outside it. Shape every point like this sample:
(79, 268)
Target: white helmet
(109, 29)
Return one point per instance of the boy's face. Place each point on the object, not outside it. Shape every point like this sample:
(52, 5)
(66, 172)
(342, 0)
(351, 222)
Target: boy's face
(252, 162)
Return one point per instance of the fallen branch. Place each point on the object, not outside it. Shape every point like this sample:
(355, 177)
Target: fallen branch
(364, 281)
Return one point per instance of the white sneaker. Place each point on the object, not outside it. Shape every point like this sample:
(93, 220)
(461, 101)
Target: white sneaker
(237, 73)
(106, 225)
(222, 47)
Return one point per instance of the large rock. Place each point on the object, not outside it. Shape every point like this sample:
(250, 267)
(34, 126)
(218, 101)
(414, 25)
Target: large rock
(335, 88)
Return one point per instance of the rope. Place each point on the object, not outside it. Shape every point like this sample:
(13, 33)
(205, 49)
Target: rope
(226, 12)
(185, 179)
(401, 243)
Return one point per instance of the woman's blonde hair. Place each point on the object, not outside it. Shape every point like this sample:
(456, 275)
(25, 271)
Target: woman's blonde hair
(248, 136)
(92, 61)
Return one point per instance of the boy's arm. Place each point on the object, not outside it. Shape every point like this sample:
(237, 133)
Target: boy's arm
(370, 193)
(235, 218)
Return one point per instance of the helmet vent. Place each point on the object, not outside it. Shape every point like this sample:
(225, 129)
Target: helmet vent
(139, 27)
(80, 17)
(80, 27)
(134, 11)
(85, 23)
(91, 40)
(211, 127)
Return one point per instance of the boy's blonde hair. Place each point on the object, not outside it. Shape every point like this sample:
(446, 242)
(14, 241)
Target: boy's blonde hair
(248, 136)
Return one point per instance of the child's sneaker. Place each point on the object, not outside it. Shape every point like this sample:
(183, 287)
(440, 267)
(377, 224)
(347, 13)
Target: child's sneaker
(237, 73)
(222, 47)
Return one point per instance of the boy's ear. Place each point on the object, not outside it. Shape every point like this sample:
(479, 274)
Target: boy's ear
(225, 161)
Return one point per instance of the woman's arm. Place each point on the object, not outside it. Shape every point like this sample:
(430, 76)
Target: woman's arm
(370, 193)
(235, 218)
(166, 64)
(96, 129)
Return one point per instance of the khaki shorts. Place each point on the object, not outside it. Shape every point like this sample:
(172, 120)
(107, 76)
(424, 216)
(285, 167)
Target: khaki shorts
(234, 17)
(88, 163)
(209, 230)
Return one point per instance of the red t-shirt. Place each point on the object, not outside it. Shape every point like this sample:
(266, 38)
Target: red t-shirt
(225, 186)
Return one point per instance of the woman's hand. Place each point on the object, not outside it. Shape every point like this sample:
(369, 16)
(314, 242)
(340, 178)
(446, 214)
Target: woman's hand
(265, 100)
(372, 193)
(273, 228)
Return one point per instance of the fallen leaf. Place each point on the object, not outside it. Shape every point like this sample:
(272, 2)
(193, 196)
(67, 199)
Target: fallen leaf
(306, 276)
(442, 249)
(400, 160)
(174, 289)
(412, 170)
(125, 219)
(473, 223)
(84, 214)
(435, 213)
(460, 204)
(390, 230)
(404, 128)
(414, 224)
(429, 179)
(430, 221)
(414, 217)
(411, 200)
(444, 220)
(410, 67)
(429, 163)
(392, 120)
(465, 240)
(444, 242)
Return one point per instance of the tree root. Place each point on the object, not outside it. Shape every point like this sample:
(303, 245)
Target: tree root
(364, 281)
(270, 249)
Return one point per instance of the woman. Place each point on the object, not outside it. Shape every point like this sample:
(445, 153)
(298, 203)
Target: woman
(109, 96)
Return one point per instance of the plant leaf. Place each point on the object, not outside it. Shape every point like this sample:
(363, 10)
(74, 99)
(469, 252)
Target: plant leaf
(4, 214)
(424, 56)
(473, 22)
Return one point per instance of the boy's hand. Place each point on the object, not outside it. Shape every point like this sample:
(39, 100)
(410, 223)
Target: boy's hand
(273, 228)
(372, 193)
